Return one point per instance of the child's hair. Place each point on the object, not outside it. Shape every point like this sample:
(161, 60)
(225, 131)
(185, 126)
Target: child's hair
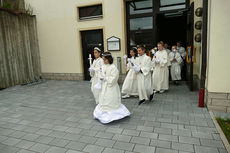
(134, 49)
(98, 50)
(141, 47)
(108, 56)
(160, 43)
(174, 46)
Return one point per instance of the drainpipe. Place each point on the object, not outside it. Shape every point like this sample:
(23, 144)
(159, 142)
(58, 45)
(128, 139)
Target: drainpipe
(204, 53)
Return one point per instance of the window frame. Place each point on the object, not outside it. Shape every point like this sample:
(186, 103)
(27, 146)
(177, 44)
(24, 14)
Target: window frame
(90, 17)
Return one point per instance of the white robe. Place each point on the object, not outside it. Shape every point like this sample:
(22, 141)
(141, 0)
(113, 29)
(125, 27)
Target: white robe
(182, 52)
(95, 76)
(130, 83)
(161, 73)
(110, 107)
(144, 78)
(175, 67)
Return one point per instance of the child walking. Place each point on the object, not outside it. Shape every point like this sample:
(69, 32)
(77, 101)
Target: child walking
(110, 107)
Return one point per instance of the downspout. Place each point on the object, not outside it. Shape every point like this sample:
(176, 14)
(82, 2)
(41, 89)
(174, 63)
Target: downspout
(204, 53)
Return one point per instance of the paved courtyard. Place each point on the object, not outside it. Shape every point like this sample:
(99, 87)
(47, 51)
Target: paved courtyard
(56, 117)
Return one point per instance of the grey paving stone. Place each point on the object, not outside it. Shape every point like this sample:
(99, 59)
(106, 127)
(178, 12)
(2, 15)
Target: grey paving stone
(8, 149)
(59, 142)
(149, 135)
(43, 132)
(189, 140)
(169, 126)
(38, 147)
(6, 132)
(25, 151)
(98, 128)
(30, 137)
(104, 135)
(139, 140)
(76, 145)
(123, 146)
(203, 149)
(2, 138)
(221, 150)
(145, 128)
(60, 128)
(87, 139)
(56, 150)
(114, 130)
(73, 151)
(105, 142)
(144, 149)
(202, 135)
(44, 139)
(74, 130)
(93, 149)
(73, 137)
(24, 144)
(160, 143)
(17, 134)
(131, 132)
(91, 133)
(124, 138)
(152, 124)
(11, 141)
(168, 137)
(182, 147)
(57, 134)
(163, 150)
(163, 131)
(182, 132)
(110, 150)
(212, 143)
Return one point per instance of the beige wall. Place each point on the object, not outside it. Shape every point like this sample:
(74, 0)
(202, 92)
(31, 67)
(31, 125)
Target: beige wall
(112, 23)
(218, 69)
(59, 31)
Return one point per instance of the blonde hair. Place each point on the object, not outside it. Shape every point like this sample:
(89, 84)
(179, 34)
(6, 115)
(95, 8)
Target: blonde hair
(160, 43)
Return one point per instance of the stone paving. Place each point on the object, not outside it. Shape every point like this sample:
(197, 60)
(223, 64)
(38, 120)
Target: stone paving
(56, 117)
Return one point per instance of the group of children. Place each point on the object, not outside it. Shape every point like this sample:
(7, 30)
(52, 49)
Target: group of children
(145, 77)
(153, 76)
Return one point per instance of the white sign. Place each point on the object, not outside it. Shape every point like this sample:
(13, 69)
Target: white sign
(113, 44)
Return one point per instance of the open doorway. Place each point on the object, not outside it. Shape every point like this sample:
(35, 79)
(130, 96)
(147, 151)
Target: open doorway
(172, 27)
(90, 39)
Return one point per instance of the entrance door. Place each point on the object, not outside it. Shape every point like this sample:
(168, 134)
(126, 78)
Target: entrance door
(190, 33)
(90, 39)
(171, 28)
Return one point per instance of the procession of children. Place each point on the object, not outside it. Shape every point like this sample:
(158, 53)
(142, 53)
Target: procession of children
(146, 76)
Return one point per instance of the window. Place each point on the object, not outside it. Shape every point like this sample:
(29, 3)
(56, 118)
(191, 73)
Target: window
(171, 2)
(140, 7)
(166, 5)
(141, 23)
(90, 12)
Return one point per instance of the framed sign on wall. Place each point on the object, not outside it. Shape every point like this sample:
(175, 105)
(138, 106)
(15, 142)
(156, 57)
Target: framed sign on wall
(113, 44)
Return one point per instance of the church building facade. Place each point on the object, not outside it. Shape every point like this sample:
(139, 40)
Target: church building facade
(69, 30)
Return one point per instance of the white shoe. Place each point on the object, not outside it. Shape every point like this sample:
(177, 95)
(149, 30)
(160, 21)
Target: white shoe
(162, 91)
(126, 96)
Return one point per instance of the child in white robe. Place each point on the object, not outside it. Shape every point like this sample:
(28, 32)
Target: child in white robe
(110, 108)
(129, 87)
(94, 72)
(143, 70)
(176, 61)
(161, 72)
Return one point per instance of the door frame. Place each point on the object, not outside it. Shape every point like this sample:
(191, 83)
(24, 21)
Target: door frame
(83, 54)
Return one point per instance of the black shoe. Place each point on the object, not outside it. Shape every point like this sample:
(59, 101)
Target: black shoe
(151, 96)
(141, 102)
